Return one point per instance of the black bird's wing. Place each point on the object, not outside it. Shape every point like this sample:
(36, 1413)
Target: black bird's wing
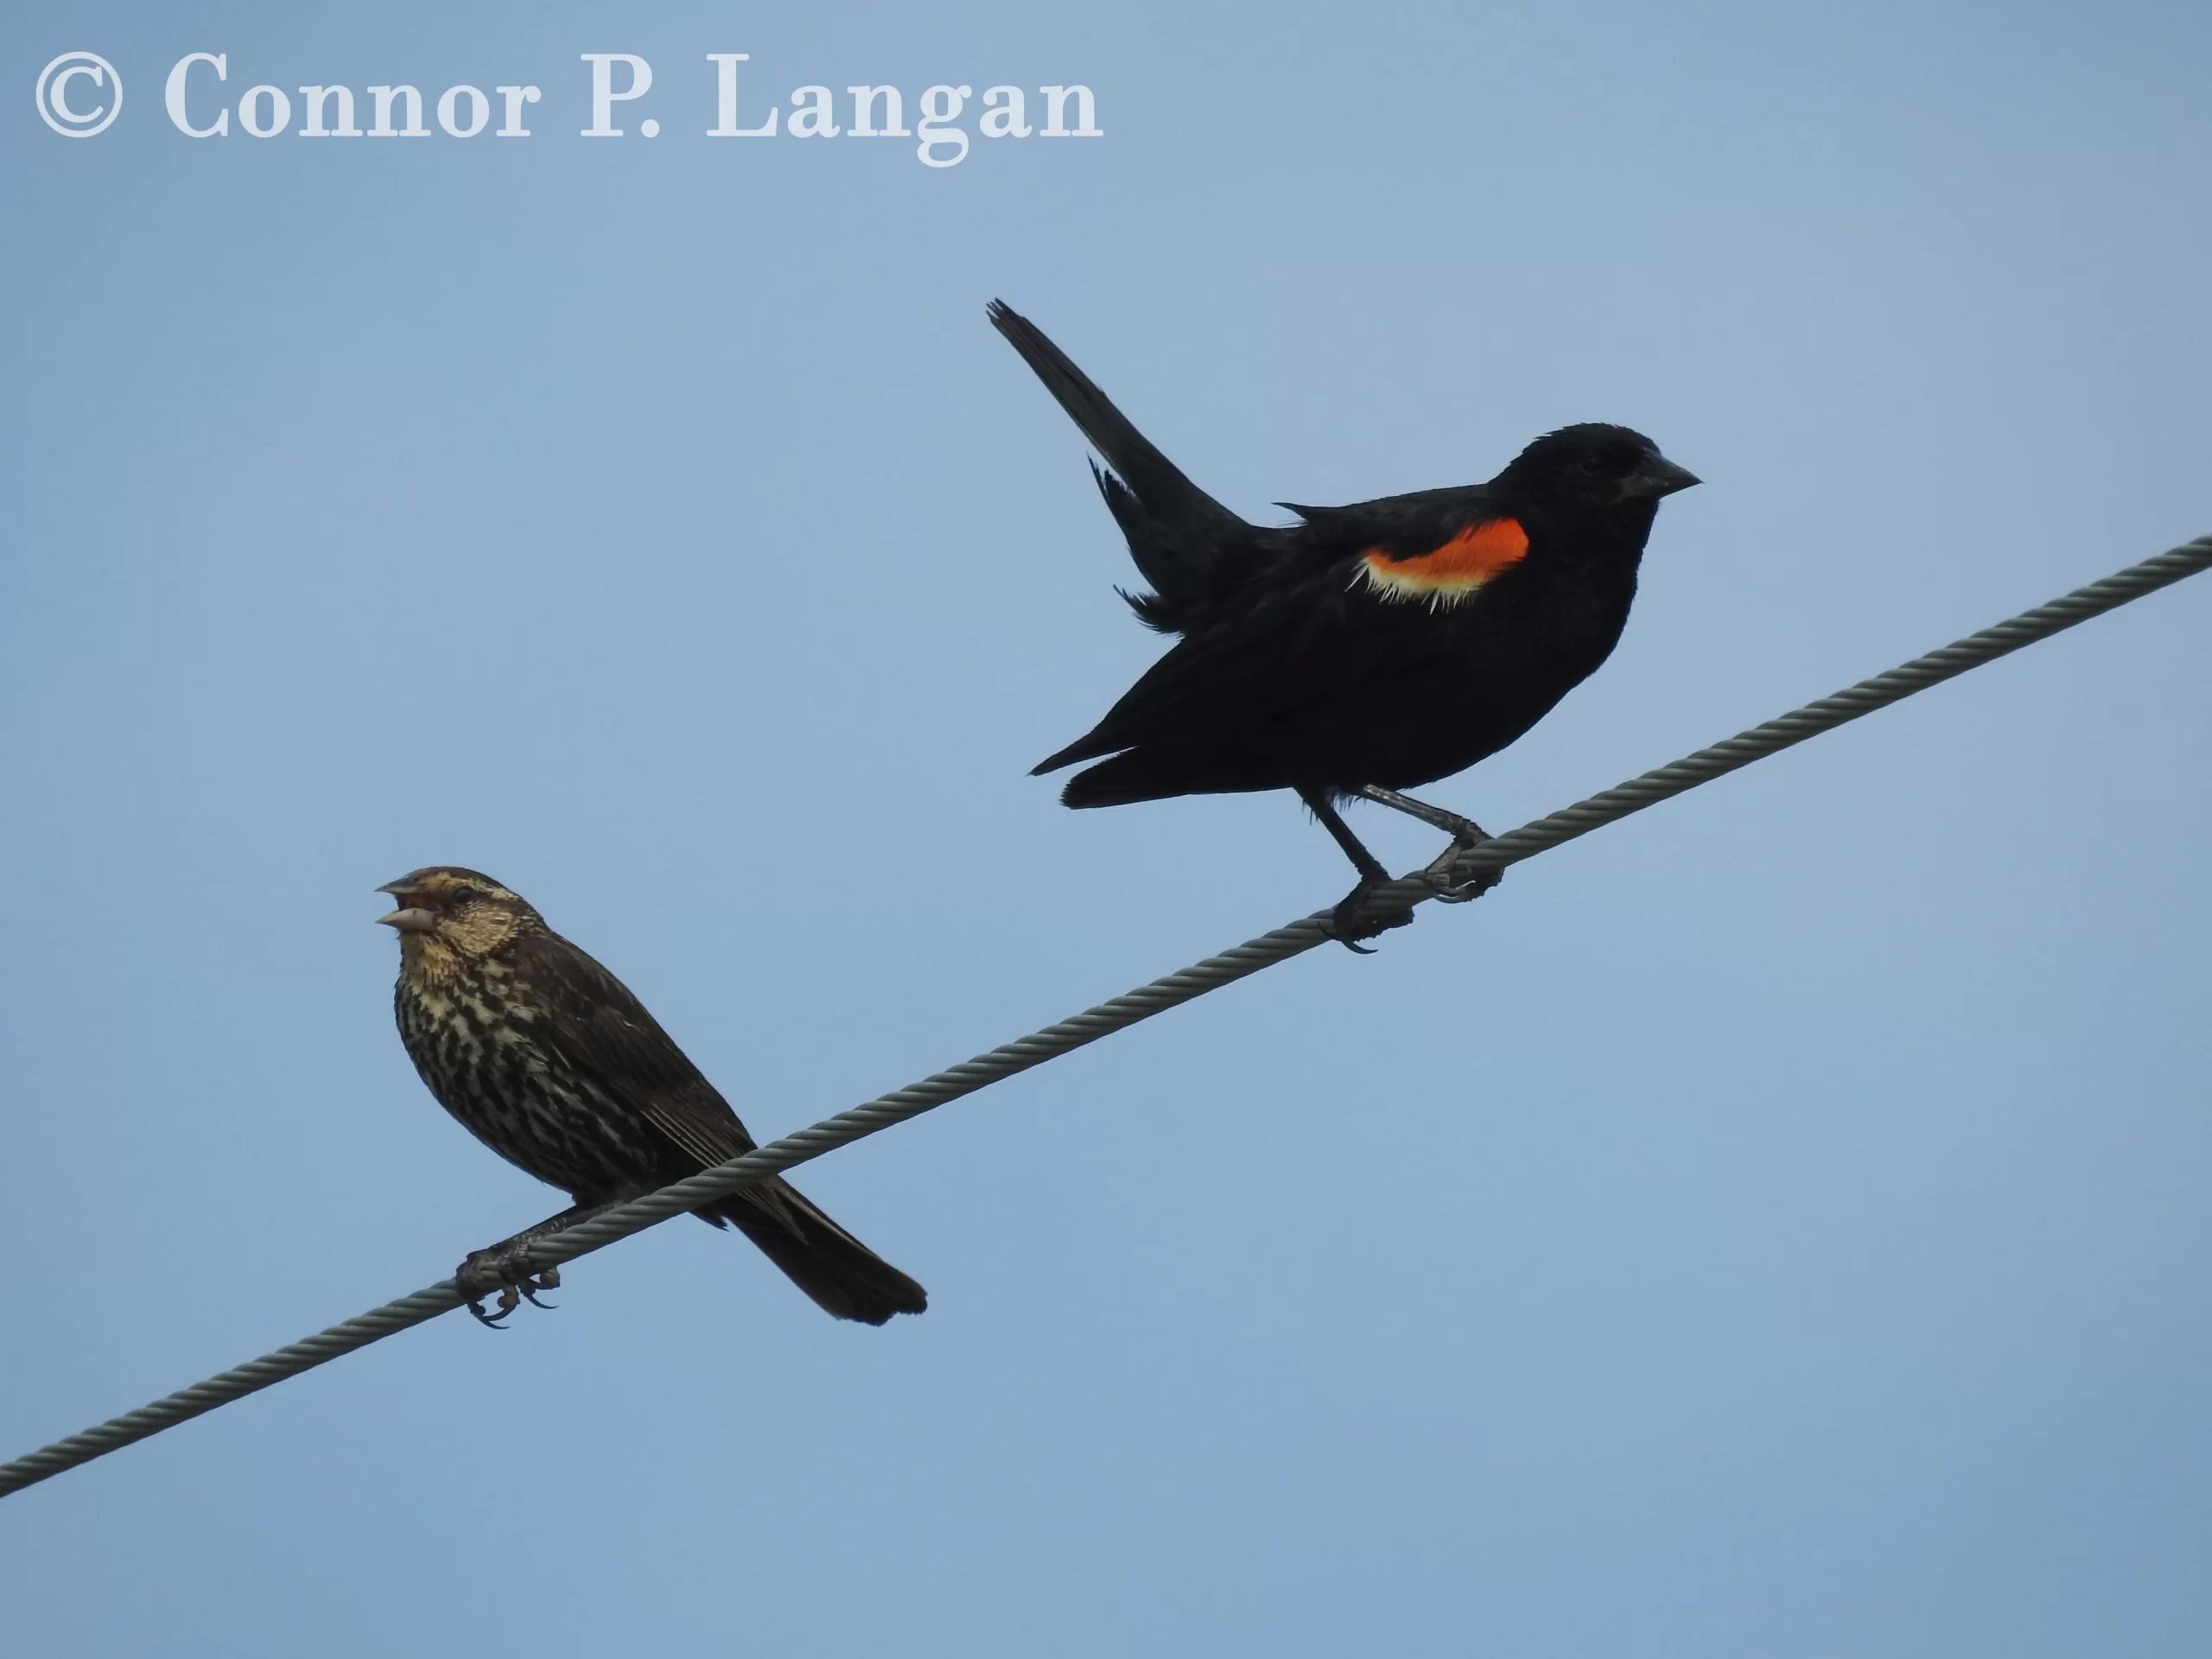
(1237, 672)
(1308, 634)
(1184, 542)
(1404, 525)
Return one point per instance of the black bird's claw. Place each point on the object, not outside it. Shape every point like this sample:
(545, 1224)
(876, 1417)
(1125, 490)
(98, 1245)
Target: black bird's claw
(1450, 891)
(1349, 923)
(506, 1268)
(508, 1302)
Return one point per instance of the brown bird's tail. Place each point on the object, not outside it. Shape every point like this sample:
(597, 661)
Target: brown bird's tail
(847, 1279)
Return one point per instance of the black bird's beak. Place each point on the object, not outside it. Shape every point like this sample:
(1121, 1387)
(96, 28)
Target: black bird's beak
(407, 919)
(1658, 477)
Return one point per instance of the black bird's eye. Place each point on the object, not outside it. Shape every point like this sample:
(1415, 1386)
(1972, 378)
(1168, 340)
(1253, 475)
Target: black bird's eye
(1608, 463)
(462, 894)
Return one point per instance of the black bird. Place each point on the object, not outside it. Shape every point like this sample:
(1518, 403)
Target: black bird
(548, 1059)
(1368, 649)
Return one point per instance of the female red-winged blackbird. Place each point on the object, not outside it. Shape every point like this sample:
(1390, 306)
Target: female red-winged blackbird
(548, 1059)
(1368, 649)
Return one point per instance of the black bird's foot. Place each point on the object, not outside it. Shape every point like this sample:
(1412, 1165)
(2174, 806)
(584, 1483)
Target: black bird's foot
(1466, 836)
(506, 1268)
(1440, 873)
(1350, 921)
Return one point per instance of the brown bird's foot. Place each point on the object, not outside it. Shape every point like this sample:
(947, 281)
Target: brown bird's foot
(506, 1268)
(1352, 921)
(1440, 873)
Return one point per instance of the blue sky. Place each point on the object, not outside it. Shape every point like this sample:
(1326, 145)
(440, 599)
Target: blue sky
(1774, 1225)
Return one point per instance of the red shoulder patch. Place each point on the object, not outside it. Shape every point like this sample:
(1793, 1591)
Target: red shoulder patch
(1444, 575)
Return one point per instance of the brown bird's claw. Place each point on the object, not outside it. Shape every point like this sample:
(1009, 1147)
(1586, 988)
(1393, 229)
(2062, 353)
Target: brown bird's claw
(506, 1268)
(1349, 923)
(1439, 873)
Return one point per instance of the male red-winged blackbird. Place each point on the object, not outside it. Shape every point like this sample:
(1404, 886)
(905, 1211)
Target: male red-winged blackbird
(548, 1059)
(1370, 648)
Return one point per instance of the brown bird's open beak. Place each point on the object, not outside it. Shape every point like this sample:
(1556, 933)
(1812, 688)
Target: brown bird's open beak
(407, 919)
(1659, 477)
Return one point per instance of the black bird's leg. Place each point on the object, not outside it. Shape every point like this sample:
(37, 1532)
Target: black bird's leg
(506, 1268)
(1466, 835)
(1347, 920)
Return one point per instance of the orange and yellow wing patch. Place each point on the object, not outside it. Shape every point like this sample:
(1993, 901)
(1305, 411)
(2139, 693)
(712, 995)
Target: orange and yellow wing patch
(1447, 575)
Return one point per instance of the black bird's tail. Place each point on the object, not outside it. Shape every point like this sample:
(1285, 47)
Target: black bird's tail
(1174, 527)
(847, 1279)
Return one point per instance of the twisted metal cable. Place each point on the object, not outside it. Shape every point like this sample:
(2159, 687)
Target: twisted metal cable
(1120, 1011)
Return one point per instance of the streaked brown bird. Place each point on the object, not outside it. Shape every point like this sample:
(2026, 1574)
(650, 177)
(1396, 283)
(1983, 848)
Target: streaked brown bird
(548, 1059)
